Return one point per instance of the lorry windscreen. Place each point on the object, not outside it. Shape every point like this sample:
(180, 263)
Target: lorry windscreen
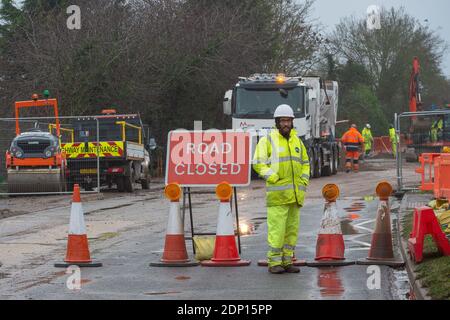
(261, 103)
(109, 130)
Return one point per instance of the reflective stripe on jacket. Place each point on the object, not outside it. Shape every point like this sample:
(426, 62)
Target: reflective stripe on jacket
(285, 167)
(352, 139)
(392, 135)
(367, 135)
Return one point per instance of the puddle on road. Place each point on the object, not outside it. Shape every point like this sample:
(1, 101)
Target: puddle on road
(330, 283)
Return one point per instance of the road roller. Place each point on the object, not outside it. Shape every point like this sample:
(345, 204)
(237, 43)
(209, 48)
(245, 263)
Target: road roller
(34, 161)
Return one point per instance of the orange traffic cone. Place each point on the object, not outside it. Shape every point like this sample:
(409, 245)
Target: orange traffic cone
(77, 244)
(330, 246)
(381, 250)
(225, 249)
(175, 253)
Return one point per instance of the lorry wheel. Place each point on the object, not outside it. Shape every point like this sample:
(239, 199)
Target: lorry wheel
(328, 170)
(120, 184)
(318, 164)
(312, 162)
(335, 161)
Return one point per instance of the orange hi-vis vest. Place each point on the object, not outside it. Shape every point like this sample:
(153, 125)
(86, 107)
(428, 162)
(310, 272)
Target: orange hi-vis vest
(352, 139)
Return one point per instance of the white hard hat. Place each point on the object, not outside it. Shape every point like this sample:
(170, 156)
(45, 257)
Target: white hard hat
(368, 126)
(284, 111)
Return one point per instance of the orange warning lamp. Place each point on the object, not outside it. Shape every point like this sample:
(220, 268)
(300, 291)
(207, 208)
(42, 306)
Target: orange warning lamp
(35, 96)
(330, 192)
(173, 192)
(384, 190)
(109, 111)
(280, 78)
(224, 191)
(446, 150)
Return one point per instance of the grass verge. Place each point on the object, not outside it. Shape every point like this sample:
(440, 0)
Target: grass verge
(434, 271)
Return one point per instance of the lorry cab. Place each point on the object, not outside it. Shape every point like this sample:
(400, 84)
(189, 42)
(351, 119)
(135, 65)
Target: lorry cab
(253, 100)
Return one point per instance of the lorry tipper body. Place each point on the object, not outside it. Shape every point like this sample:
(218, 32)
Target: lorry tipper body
(252, 102)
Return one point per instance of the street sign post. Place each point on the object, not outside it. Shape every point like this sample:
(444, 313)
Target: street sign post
(206, 159)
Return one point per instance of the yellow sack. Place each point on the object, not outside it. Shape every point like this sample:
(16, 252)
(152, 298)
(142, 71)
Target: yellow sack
(204, 247)
(444, 220)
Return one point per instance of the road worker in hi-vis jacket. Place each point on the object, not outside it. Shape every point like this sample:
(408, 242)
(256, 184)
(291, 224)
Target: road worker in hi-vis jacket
(282, 160)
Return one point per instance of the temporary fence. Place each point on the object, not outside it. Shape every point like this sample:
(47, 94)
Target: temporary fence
(419, 133)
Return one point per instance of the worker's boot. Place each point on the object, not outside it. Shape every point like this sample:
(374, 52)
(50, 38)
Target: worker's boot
(291, 269)
(276, 270)
(348, 167)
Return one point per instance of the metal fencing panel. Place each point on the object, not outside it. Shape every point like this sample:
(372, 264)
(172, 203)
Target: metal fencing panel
(34, 158)
(418, 133)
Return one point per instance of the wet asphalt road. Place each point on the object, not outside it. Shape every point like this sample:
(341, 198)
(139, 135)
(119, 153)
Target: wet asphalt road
(126, 273)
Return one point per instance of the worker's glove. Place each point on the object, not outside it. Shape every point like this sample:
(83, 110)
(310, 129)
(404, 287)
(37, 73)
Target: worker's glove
(273, 178)
(304, 181)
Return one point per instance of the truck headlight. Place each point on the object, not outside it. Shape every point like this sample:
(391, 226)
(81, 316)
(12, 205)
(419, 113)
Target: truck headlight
(48, 153)
(16, 152)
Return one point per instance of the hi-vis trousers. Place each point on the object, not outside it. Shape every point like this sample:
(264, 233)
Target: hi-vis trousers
(283, 224)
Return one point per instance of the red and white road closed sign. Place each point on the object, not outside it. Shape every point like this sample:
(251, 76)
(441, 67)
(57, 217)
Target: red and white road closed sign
(207, 158)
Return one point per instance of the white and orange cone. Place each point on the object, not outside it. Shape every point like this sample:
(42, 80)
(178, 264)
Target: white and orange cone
(175, 253)
(77, 244)
(225, 250)
(381, 248)
(330, 246)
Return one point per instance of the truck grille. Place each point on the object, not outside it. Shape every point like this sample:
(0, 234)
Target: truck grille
(33, 148)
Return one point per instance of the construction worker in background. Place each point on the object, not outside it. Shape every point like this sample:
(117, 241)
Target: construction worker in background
(353, 141)
(437, 130)
(368, 139)
(394, 140)
(282, 160)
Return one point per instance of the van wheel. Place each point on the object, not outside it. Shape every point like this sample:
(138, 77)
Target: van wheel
(145, 183)
(128, 183)
(120, 184)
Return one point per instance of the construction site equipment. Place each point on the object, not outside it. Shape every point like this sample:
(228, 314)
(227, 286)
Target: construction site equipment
(77, 245)
(381, 250)
(252, 103)
(428, 133)
(34, 161)
(403, 128)
(426, 223)
(175, 253)
(330, 247)
(121, 153)
(225, 249)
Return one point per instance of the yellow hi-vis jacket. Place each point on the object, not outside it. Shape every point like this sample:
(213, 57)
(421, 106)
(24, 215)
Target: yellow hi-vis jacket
(285, 167)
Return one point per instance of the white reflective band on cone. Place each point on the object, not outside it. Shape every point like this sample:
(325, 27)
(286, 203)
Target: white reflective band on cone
(175, 223)
(330, 223)
(77, 225)
(225, 220)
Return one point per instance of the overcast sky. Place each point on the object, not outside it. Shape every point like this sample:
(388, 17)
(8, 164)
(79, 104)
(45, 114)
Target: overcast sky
(329, 13)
